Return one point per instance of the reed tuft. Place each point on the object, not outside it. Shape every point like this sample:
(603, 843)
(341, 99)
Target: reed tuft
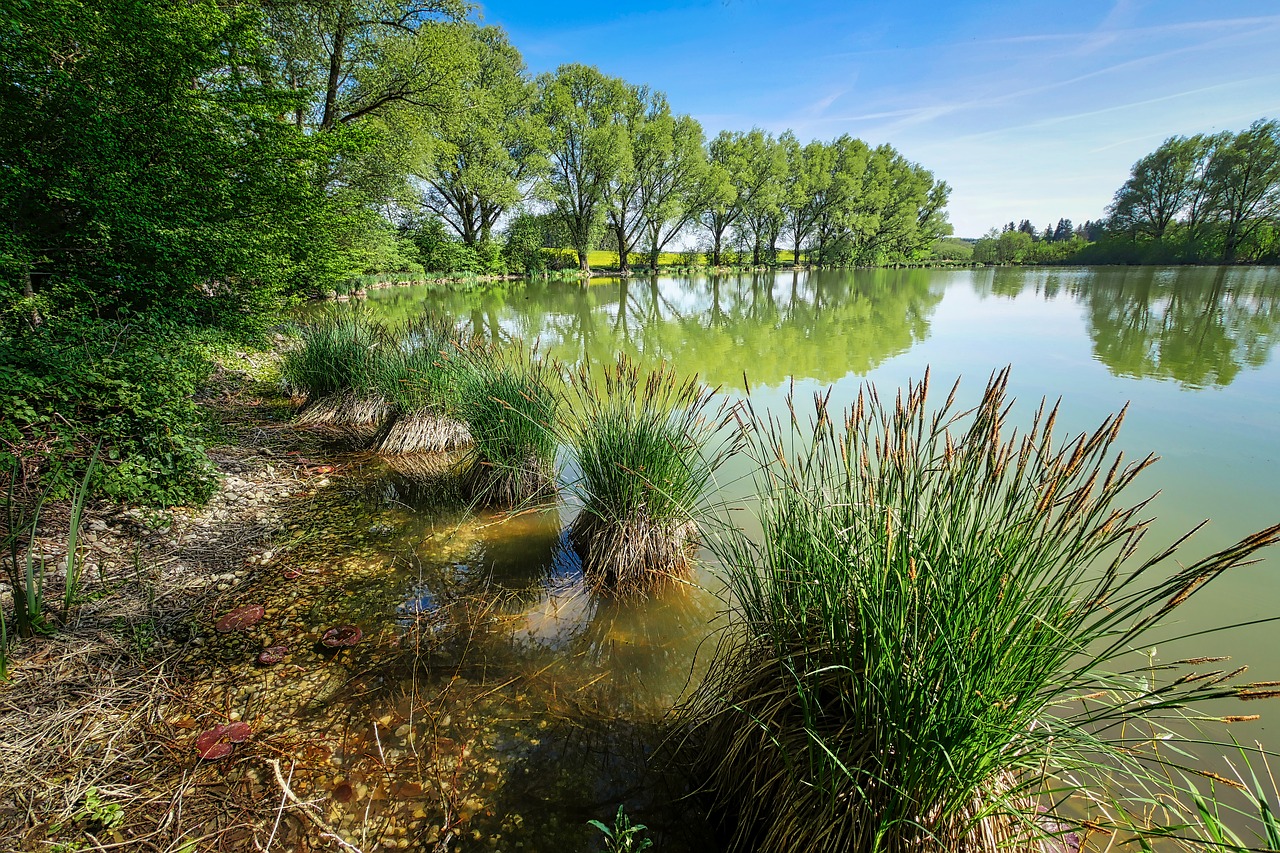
(419, 375)
(511, 404)
(647, 446)
(912, 632)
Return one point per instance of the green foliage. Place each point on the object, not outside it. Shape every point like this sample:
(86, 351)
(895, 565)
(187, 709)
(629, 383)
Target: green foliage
(511, 405)
(1199, 199)
(340, 353)
(590, 148)
(951, 249)
(70, 384)
(623, 836)
(917, 629)
(487, 148)
(147, 167)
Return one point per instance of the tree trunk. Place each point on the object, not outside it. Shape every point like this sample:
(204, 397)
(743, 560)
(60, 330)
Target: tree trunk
(715, 250)
(584, 262)
(623, 250)
(795, 254)
(330, 118)
(755, 254)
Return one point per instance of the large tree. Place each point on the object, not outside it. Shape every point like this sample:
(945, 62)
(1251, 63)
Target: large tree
(681, 186)
(485, 151)
(1160, 187)
(1245, 178)
(645, 118)
(589, 148)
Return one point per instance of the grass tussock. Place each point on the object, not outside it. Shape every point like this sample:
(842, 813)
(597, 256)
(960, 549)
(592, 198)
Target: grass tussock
(334, 369)
(511, 405)
(647, 445)
(936, 627)
(419, 375)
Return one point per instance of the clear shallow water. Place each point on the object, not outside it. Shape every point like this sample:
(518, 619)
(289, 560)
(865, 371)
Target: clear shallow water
(562, 688)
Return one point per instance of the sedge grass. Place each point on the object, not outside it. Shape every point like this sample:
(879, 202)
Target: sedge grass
(419, 377)
(933, 630)
(646, 448)
(335, 368)
(511, 404)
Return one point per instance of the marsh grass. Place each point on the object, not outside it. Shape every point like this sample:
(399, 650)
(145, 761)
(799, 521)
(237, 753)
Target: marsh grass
(511, 405)
(419, 375)
(935, 628)
(335, 368)
(647, 445)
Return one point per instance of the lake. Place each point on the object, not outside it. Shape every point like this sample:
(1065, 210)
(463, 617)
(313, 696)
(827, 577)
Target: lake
(546, 700)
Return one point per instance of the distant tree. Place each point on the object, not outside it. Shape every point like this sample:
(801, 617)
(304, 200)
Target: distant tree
(1027, 228)
(589, 148)
(484, 153)
(1161, 185)
(677, 183)
(1064, 230)
(1245, 179)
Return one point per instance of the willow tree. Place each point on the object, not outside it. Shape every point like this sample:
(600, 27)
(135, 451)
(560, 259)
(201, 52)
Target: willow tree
(755, 166)
(1160, 187)
(485, 152)
(588, 148)
(683, 184)
(645, 118)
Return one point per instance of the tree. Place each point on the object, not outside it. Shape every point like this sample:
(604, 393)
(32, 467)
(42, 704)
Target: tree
(679, 184)
(355, 58)
(760, 191)
(144, 164)
(1245, 178)
(588, 145)
(649, 126)
(485, 152)
(803, 179)
(1160, 186)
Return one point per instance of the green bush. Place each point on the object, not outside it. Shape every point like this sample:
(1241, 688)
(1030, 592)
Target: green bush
(66, 384)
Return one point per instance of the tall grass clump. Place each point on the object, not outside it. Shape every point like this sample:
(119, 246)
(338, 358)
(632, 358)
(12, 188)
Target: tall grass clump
(935, 628)
(335, 368)
(419, 375)
(511, 404)
(647, 446)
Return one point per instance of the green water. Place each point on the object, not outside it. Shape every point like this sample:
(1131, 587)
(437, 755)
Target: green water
(553, 696)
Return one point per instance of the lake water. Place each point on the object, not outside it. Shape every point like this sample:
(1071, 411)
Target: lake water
(548, 698)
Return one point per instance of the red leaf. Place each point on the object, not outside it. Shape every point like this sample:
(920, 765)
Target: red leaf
(240, 618)
(343, 637)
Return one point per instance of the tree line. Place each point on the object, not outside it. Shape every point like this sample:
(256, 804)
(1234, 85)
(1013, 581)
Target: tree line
(158, 153)
(1206, 198)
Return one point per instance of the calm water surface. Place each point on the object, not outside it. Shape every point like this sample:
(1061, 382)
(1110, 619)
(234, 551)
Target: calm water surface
(558, 692)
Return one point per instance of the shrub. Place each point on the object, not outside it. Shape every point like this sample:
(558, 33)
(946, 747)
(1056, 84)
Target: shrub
(932, 631)
(67, 384)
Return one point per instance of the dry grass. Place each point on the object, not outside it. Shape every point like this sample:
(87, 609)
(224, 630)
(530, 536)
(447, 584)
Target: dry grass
(421, 433)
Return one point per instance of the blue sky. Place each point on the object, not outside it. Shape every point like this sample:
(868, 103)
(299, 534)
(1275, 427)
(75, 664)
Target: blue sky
(1027, 109)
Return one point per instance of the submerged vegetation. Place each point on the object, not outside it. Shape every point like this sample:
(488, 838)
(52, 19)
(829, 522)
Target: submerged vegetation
(642, 443)
(933, 634)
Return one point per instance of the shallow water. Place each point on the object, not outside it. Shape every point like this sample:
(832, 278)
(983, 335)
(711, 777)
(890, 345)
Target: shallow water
(546, 699)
